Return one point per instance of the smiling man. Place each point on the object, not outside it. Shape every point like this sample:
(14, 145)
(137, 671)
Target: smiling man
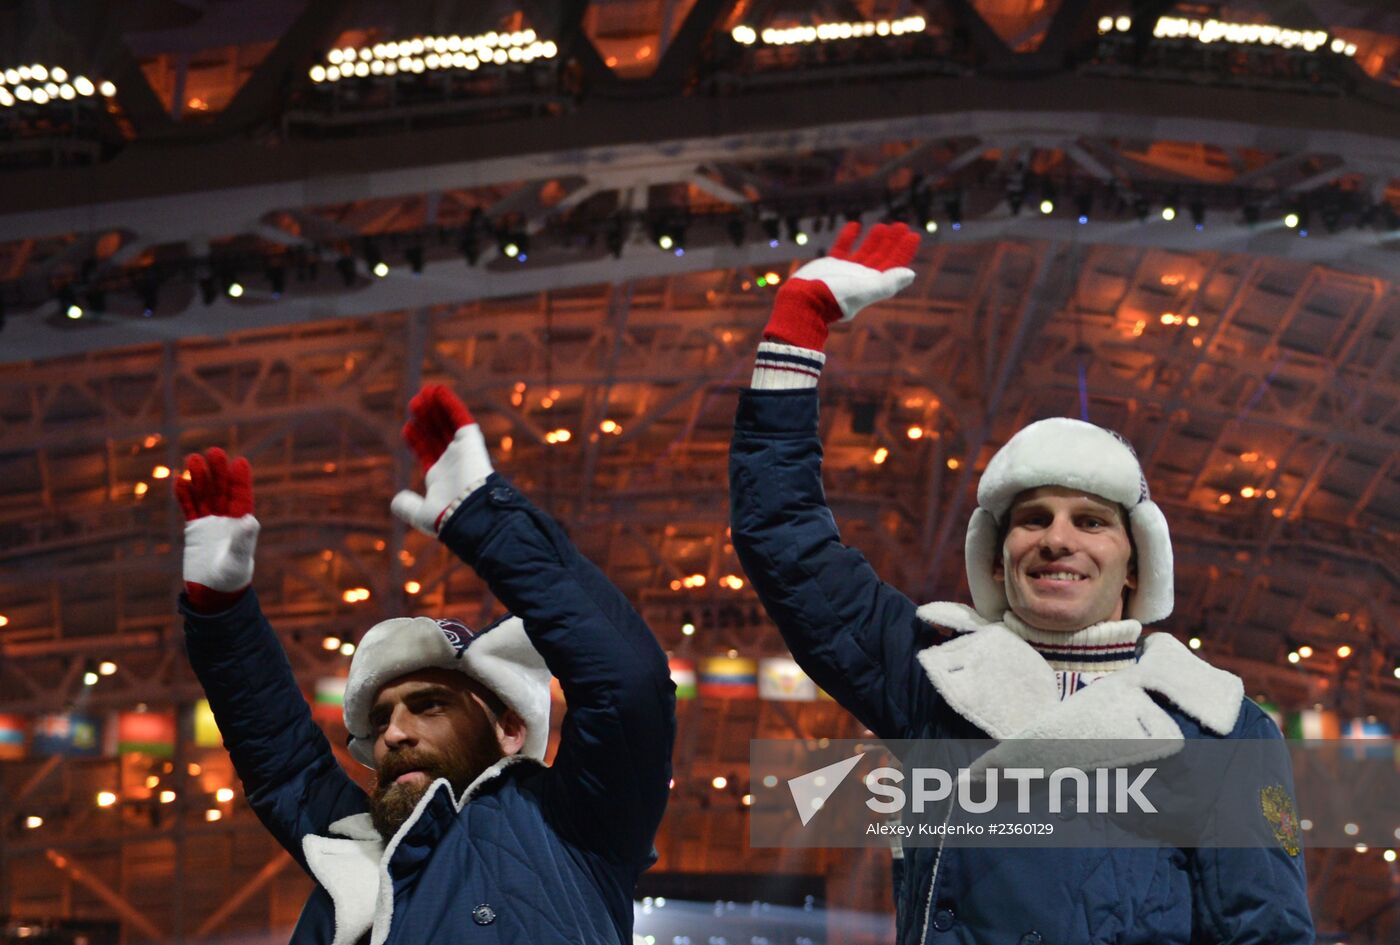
(466, 835)
(1067, 557)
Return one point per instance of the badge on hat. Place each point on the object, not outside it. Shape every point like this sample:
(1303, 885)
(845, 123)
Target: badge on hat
(1282, 815)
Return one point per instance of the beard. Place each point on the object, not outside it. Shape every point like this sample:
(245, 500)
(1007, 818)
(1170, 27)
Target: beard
(461, 763)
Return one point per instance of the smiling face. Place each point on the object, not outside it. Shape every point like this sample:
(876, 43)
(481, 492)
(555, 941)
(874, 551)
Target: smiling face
(1066, 560)
(430, 724)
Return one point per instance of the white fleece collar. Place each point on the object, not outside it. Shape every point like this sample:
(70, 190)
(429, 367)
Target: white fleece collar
(353, 864)
(998, 682)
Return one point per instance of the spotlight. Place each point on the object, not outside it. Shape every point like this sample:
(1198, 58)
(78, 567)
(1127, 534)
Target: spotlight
(1084, 205)
(1291, 220)
(469, 248)
(795, 231)
(1047, 199)
(148, 290)
(233, 287)
(414, 255)
(513, 245)
(1169, 208)
(68, 303)
(771, 229)
(615, 234)
(953, 208)
(735, 227)
(374, 259)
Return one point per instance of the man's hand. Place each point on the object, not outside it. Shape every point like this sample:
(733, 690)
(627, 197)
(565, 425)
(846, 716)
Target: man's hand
(836, 287)
(220, 531)
(452, 451)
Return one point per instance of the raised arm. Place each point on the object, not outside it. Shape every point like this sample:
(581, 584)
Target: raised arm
(854, 635)
(289, 774)
(610, 780)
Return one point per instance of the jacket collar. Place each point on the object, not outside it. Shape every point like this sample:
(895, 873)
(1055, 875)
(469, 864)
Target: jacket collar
(998, 682)
(353, 863)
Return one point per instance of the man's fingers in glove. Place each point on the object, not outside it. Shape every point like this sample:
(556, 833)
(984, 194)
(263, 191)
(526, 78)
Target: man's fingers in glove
(456, 412)
(218, 481)
(899, 248)
(841, 249)
(897, 279)
(199, 485)
(240, 488)
(407, 506)
(422, 445)
(872, 249)
(188, 507)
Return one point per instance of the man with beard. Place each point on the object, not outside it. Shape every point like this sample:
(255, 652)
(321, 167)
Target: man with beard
(466, 834)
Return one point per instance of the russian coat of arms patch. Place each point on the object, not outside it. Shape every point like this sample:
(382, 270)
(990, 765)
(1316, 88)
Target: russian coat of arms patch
(1282, 815)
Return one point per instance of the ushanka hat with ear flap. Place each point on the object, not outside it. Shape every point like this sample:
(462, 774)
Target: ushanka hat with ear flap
(500, 657)
(1064, 452)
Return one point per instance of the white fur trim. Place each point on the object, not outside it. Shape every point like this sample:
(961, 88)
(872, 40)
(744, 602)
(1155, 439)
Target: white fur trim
(354, 866)
(959, 617)
(501, 658)
(998, 682)
(348, 868)
(1065, 452)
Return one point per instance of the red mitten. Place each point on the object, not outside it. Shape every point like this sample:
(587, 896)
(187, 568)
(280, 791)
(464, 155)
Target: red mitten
(448, 443)
(221, 534)
(836, 287)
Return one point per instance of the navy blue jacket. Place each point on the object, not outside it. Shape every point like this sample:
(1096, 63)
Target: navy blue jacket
(529, 853)
(866, 644)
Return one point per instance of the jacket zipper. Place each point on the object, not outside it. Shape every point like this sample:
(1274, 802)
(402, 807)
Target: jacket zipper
(933, 882)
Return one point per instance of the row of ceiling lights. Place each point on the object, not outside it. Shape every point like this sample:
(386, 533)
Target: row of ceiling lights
(427, 53)
(39, 84)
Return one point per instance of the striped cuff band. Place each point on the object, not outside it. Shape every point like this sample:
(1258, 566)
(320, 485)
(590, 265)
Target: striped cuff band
(786, 367)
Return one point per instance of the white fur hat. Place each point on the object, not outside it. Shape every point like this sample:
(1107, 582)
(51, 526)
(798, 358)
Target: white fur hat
(500, 657)
(1077, 455)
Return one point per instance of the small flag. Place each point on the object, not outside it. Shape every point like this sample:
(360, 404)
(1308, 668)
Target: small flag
(683, 675)
(66, 733)
(12, 729)
(149, 733)
(206, 730)
(729, 677)
(780, 679)
(329, 704)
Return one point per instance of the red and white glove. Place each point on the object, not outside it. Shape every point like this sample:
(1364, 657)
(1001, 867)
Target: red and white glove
(448, 443)
(837, 286)
(220, 531)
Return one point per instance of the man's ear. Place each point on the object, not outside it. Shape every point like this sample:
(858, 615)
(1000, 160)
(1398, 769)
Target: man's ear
(1132, 580)
(998, 570)
(510, 732)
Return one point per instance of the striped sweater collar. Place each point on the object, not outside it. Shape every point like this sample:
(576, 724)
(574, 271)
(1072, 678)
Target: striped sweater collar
(1101, 648)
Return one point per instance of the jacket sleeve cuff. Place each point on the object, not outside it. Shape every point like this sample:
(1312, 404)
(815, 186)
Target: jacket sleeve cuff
(199, 623)
(790, 412)
(786, 367)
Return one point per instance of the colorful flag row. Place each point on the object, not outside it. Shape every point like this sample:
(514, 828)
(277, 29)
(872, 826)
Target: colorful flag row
(776, 679)
(86, 734)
